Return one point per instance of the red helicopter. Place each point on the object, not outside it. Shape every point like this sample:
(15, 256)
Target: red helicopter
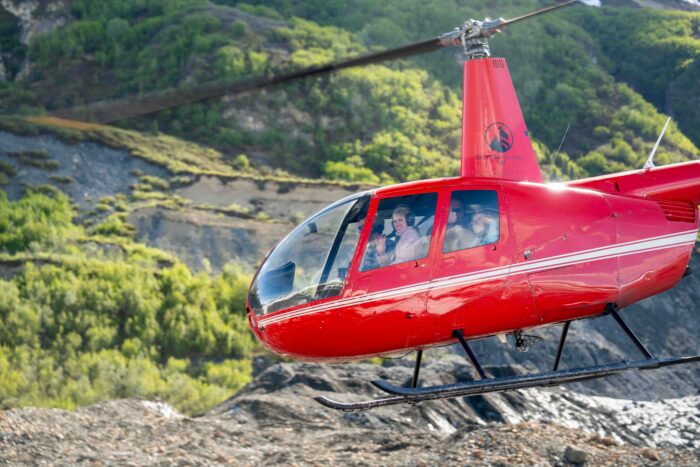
(491, 252)
(494, 251)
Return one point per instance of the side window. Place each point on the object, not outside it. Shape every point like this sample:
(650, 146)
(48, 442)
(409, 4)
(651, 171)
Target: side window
(401, 231)
(473, 220)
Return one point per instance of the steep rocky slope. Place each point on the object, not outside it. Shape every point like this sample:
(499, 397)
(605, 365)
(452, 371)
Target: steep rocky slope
(86, 172)
(223, 217)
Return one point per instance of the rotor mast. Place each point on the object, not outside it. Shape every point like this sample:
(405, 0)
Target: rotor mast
(473, 34)
(472, 37)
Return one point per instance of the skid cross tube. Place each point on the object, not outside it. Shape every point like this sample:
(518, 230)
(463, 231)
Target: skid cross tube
(416, 370)
(460, 335)
(562, 339)
(633, 337)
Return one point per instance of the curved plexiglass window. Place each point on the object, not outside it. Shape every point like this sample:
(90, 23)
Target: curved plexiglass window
(312, 262)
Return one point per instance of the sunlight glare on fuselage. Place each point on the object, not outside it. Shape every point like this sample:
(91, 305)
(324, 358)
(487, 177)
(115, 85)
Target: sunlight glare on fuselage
(556, 186)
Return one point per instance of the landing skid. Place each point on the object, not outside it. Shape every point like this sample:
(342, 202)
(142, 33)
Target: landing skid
(412, 395)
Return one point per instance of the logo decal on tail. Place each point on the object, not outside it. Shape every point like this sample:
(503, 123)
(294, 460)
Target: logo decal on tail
(499, 137)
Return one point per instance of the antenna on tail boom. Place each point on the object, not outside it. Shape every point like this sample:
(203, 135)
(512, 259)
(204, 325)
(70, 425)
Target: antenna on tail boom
(650, 162)
(551, 168)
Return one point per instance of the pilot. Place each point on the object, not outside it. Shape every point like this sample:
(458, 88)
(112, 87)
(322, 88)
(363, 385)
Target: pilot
(459, 234)
(408, 246)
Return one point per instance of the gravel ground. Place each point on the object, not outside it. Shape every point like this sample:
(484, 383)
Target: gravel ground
(132, 432)
(274, 420)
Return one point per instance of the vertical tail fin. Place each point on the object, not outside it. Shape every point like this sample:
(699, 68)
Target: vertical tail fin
(495, 140)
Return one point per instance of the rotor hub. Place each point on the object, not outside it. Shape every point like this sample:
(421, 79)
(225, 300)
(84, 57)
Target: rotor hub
(473, 37)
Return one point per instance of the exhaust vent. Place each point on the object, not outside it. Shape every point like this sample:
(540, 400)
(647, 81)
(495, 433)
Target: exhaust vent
(678, 211)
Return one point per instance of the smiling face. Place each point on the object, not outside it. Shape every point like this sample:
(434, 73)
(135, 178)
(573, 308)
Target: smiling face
(478, 226)
(399, 223)
(482, 222)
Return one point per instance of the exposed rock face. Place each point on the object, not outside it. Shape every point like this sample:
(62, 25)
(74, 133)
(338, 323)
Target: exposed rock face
(95, 170)
(35, 17)
(275, 421)
(23, 11)
(196, 235)
(290, 201)
(193, 236)
(55, 13)
(91, 171)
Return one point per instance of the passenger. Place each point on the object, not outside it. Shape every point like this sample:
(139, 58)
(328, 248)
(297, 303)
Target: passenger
(485, 227)
(408, 246)
(458, 235)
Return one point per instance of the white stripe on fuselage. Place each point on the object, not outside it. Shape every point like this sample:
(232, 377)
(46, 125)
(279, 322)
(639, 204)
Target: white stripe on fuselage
(552, 262)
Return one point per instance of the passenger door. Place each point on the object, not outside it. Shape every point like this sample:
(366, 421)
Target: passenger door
(469, 279)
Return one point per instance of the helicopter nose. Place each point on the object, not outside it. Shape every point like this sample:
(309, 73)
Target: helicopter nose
(253, 322)
(271, 341)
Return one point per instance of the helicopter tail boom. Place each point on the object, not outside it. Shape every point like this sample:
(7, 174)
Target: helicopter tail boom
(675, 182)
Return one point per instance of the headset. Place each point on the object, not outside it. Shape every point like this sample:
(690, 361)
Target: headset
(410, 217)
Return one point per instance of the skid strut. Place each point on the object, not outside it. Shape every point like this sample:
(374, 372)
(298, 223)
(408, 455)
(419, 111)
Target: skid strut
(560, 349)
(416, 370)
(459, 334)
(633, 337)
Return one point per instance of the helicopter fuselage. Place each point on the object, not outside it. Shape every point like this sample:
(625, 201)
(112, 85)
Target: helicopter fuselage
(563, 252)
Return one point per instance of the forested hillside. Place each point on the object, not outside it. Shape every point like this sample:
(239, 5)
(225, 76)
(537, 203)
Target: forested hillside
(609, 72)
(88, 315)
(88, 312)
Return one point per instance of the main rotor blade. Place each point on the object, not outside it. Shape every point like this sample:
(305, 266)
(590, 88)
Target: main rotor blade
(489, 27)
(122, 109)
(541, 11)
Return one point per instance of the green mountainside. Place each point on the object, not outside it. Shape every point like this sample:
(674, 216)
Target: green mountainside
(88, 312)
(610, 72)
(93, 315)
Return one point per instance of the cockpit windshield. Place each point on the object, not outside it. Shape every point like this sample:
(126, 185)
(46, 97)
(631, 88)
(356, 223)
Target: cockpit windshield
(312, 262)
